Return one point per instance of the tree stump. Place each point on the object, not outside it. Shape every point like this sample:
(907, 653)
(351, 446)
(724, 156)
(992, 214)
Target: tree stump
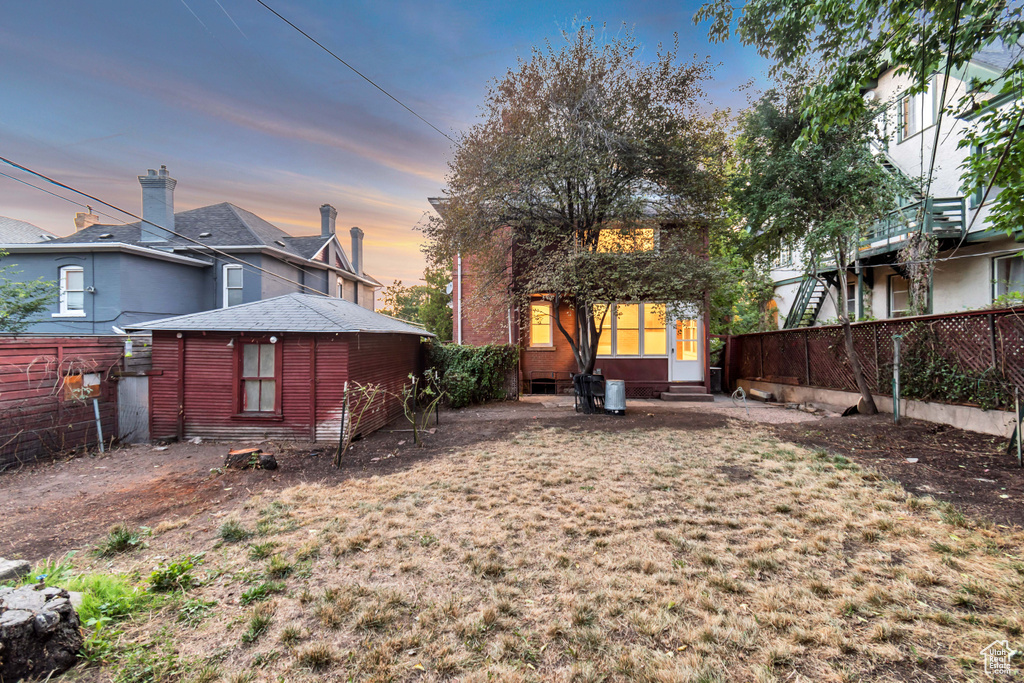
(39, 632)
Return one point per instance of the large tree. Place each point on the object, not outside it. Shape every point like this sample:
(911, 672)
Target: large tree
(853, 42)
(820, 196)
(20, 301)
(426, 304)
(594, 177)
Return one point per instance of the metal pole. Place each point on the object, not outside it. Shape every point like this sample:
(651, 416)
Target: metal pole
(99, 425)
(896, 338)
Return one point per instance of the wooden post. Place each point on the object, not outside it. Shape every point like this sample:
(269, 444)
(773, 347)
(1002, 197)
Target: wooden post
(874, 337)
(760, 356)
(807, 359)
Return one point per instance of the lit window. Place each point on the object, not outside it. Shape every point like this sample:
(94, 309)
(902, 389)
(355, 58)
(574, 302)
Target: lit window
(341, 289)
(1009, 277)
(72, 291)
(540, 323)
(259, 381)
(655, 336)
(626, 240)
(232, 285)
(627, 329)
(899, 296)
(687, 342)
(603, 323)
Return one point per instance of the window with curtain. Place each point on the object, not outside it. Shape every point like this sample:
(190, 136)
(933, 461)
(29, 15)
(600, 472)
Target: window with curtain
(72, 291)
(540, 323)
(259, 378)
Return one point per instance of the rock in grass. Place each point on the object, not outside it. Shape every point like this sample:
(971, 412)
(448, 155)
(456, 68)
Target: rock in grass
(11, 570)
(39, 632)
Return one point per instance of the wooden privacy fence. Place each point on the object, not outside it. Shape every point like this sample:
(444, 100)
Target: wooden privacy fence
(986, 347)
(46, 390)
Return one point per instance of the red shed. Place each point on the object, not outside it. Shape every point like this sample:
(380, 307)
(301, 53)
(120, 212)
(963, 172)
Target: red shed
(276, 368)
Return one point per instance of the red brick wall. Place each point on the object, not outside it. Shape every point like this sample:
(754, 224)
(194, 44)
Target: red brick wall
(553, 362)
(484, 321)
(35, 420)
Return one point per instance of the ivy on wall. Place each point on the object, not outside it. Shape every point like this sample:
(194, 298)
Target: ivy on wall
(472, 374)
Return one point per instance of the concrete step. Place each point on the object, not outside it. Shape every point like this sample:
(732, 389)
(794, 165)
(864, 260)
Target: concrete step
(686, 389)
(702, 398)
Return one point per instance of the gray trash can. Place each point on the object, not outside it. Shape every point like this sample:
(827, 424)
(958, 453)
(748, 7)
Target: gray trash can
(615, 397)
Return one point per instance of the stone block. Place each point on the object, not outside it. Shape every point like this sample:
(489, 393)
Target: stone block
(12, 570)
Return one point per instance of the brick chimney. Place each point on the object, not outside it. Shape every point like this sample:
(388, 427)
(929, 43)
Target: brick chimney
(328, 215)
(357, 250)
(157, 205)
(83, 219)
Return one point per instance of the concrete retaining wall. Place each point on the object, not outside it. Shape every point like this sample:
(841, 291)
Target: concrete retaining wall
(995, 422)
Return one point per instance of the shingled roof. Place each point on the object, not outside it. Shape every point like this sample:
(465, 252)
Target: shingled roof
(13, 231)
(288, 313)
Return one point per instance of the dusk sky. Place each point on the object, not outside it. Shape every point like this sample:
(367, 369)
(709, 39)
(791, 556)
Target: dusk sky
(242, 108)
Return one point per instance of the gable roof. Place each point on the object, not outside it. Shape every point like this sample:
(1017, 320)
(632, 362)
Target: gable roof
(308, 246)
(14, 231)
(288, 313)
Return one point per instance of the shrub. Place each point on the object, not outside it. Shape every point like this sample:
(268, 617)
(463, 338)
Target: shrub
(472, 374)
(175, 576)
(232, 531)
(120, 539)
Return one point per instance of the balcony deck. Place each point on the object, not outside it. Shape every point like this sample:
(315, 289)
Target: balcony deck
(943, 217)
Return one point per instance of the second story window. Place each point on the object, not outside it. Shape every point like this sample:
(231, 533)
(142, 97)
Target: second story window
(232, 285)
(340, 293)
(72, 291)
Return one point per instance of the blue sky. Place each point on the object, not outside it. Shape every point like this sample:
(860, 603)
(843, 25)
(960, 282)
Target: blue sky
(241, 108)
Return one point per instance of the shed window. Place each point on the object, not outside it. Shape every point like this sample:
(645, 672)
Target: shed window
(259, 378)
(232, 285)
(540, 323)
(72, 291)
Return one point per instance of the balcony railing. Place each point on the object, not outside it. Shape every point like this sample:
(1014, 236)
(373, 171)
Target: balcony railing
(944, 217)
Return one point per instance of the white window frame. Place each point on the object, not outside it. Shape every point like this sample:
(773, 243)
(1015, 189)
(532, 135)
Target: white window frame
(225, 288)
(893, 313)
(551, 325)
(340, 291)
(66, 312)
(611, 326)
(995, 275)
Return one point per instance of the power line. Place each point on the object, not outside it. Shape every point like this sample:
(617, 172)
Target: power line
(143, 220)
(54, 194)
(355, 70)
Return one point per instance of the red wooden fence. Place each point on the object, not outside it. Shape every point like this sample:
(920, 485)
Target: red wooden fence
(978, 341)
(39, 414)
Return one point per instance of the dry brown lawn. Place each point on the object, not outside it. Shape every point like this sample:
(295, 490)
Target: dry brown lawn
(713, 555)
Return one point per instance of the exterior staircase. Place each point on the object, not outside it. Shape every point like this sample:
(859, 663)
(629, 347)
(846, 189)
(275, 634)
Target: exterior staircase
(807, 304)
(687, 392)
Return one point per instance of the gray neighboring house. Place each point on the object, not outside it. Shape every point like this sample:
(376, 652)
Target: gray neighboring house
(177, 263)
(13, 231)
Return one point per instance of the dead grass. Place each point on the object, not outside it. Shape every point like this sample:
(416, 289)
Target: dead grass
(643, 556)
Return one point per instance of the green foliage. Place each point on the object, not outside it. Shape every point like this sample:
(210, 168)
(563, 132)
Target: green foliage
(152, 663)
(175, 575)
(740, 303)
(402, 302)
(586, 137)
(261, 592)
(931, 372)
(21, 302)
(120, 539)
(435, 312)
(193, 611)
(853, 42)
(259, 621)
(472, 374)
(232, 531)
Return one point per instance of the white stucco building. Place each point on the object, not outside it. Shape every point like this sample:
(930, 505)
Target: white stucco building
(973, 267)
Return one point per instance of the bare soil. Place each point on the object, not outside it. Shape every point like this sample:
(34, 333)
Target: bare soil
(970, 470)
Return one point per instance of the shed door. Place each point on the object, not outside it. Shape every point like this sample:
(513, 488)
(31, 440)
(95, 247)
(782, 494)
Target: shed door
(133, 409)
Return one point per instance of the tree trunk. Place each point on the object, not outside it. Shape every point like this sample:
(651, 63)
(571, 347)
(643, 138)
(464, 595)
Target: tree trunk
(867, 403)
(584, 345)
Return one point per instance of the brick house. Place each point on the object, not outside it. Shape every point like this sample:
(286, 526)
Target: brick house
(655, 356)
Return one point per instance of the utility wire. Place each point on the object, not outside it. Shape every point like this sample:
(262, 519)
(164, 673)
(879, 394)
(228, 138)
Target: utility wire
(143, 220)
(355, 70)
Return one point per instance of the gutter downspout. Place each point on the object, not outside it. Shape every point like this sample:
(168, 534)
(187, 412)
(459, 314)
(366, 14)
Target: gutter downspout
(459, 278)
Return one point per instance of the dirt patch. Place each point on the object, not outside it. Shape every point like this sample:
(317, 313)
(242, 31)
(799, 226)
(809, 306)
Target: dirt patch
(736, 474)
(970, 470)
(49, 508)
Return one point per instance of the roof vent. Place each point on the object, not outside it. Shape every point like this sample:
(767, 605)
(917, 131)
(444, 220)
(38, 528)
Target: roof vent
(280, 242)
(106, 235)
(205, 234)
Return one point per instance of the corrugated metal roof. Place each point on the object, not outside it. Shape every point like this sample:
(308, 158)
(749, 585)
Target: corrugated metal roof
(288, 313)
